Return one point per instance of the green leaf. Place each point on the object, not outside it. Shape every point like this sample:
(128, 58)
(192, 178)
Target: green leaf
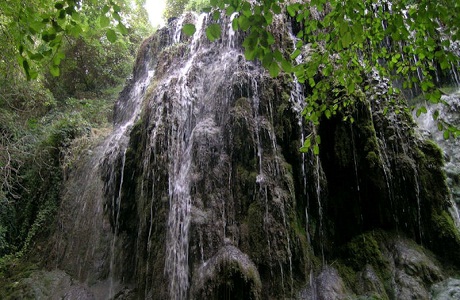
(249, 54)
(316, 149)
(59, 5)
(111, 35)
(351, 87)
(278, 55)
(435, 96)
(57, 58)
(318, 139)
(274, 69)
(446, 134)
(268, 18)
(122, 28)
(76, 30)
(267, 60)
(292, 9)
(270, 39)
(54, 70)
(246, 9)
(444, 63)
(440, 126)
(213, 32)
(116, 16)
(76, 17)
(36, 26)
(343, 28)
(286, 65)
(346, 40)
(306, 145)
(62, 14)
(189, 29)
(26, 67)
(243, 22)
(295, 54)
(36, 56)
(230, 10)
(216, 15)
(104, 21)
(235, 24)
(116, 8)
(47, 37)
(276, 9)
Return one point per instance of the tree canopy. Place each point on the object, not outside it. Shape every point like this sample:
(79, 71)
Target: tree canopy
(37, 29)
(175, 8)
(62, 64)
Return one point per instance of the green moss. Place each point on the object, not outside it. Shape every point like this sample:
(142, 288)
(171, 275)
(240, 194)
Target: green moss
(432, 153)
(230, 277)
(363, 252)
(246, 185)
(368, 131)
(257, 236)
(302, 253)
(446, 237)
(343, 147)
(243, 104)
(348, 274)
(373, 159)
(365, 249)
(432, 177)
(12, 271)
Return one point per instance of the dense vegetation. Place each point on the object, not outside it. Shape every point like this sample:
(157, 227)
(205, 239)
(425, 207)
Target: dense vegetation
(175, 8)
(61, 67)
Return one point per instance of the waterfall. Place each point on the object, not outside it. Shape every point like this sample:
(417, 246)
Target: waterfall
(200, 191)
(116, 208)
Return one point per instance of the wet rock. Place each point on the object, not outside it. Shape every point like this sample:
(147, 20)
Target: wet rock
(77, 293)
(415, 263)
(369, 284)
(330, 285)
(54, 285)
(327, 285)
(229, 272)
(409, 287)
(448, 289)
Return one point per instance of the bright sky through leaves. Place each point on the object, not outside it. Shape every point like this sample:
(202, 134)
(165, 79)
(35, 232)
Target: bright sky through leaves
(155, 10)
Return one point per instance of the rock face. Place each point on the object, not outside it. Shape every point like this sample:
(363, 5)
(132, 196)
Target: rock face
(201, 191)
(430, 129)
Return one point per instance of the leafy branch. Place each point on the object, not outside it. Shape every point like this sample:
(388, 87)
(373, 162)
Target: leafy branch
(346, 41)
(38, 28)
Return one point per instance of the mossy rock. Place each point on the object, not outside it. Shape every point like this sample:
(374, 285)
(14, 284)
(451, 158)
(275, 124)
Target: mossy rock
(257, 236)
(12, 271)
(373, 160)
(365, 250)
(446, 237)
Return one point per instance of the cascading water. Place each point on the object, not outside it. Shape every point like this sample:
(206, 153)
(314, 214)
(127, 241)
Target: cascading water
(116, 207)
(201, 191)
(87, 245)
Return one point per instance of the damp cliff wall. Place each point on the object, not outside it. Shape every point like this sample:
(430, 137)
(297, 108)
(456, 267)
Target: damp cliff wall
(201, 191)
